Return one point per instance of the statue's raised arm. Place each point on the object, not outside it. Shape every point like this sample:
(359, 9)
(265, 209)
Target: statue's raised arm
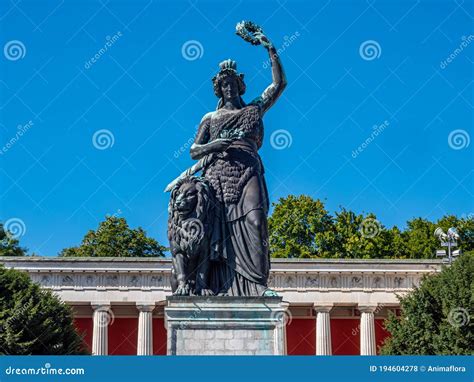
(254, 34)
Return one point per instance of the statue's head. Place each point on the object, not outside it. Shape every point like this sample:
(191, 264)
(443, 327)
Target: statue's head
(228, 84)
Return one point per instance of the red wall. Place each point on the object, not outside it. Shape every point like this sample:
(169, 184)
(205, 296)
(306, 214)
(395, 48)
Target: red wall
(345, 336)
(84, 328)
(301, 336)
(123, 335)
(380, 333)
(159, 336)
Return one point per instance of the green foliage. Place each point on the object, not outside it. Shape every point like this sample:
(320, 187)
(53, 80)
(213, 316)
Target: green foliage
(114, 238)
(33, 321)
(359, 236)
(420, 239)
(437, 316)
(301, 227)
(9, 245)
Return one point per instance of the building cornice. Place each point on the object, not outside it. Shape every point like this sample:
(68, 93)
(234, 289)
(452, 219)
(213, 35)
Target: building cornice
(299, 280)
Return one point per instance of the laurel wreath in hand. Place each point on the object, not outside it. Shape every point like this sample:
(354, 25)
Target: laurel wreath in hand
(247, 30)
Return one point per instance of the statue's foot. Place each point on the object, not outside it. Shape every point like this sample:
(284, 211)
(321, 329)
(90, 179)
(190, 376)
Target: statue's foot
(270, 293)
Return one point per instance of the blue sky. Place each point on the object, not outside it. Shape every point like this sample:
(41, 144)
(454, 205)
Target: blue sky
(149, 93)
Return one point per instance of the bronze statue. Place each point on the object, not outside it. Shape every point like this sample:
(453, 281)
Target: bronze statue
(226, 147)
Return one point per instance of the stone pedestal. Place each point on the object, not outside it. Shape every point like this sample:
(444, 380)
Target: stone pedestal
(221, 325)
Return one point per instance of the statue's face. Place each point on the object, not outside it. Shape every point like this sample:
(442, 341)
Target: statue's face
(229, 88)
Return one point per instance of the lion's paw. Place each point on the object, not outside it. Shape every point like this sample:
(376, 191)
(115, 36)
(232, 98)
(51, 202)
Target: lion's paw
(182, 290)
(207, 292)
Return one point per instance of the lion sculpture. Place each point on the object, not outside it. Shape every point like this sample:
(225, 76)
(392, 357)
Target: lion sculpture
(191, 215)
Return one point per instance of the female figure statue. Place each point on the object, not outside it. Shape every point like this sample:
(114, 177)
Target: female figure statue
(227, 143)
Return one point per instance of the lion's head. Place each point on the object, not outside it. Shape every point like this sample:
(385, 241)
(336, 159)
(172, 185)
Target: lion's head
(191, 210)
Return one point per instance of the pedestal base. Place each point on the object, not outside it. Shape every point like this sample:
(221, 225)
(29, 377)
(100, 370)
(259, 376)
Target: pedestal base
(226, 325)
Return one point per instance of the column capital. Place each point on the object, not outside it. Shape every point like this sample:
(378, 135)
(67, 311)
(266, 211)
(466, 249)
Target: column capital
(367, 308)
(100, 306)
(322, 307)
(145, 306)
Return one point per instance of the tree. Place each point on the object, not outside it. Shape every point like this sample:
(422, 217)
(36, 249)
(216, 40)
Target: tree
(300, 227)
(436, 316)
(420, 240)
(9, 244)
(359, 236)
(33, 321)
(114, 238)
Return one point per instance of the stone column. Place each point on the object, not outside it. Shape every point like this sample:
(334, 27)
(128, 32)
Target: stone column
(102, 317)
(367, 330)
(145, 329)
(323, 329)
